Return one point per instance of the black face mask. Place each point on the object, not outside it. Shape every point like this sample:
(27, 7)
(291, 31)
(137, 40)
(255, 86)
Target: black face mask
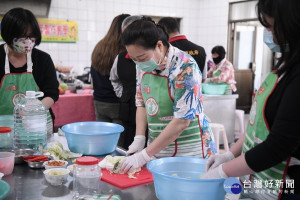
(217, 60)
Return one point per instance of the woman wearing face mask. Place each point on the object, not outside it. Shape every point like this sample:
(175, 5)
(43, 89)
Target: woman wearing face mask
(221, 71)
(270, 148)
(168, 98)
(23, 67)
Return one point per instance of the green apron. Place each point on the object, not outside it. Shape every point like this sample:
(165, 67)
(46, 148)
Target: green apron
(196, 141)
(13, 87)
(257, 132)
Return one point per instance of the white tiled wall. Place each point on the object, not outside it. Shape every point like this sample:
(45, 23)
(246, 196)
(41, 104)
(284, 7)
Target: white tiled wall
(203, 22)
(212, 24)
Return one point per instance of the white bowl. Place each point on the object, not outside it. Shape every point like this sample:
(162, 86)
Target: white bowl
(1, 175)
(65, 163)
(56, 179)
(71, 168)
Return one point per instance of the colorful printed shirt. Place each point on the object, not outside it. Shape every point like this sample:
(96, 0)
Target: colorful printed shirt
(226, 73)
(183, 73)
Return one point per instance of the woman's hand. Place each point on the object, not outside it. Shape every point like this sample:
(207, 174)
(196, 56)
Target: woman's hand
(137, 144)
(215, 173)
(48, 102)
(216, 160)
(135, 161)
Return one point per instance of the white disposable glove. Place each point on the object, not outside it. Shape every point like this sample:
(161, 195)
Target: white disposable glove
(137, 144)
(135, 161)
(215, 173)
(216, 160)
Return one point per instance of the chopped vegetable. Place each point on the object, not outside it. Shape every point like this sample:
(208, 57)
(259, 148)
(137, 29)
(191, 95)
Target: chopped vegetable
(56, 173)
(58, 153)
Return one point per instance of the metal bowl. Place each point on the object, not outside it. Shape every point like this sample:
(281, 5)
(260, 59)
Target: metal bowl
(22, 152)
(37, 165)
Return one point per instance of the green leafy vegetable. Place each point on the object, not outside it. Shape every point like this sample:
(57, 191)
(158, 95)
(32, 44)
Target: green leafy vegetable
(58, 153)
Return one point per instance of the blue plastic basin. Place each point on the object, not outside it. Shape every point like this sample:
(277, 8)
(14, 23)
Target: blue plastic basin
(214, 88)
(92, 138)
(179, 178)
(4, 189)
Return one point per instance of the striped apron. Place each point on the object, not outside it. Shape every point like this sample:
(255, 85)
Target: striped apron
(257, 131)
(195, 141)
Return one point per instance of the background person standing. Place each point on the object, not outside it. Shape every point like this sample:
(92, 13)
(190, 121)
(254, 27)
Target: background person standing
(105, 100)
(181, 42)
(123, 79)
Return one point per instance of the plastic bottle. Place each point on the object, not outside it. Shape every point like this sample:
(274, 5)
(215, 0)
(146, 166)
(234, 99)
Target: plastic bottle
(30, 120)
(87, 176)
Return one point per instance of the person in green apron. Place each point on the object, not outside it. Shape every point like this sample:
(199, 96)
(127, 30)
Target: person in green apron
(221, 70)
(168, 99)
(22, 67)
(267, 156)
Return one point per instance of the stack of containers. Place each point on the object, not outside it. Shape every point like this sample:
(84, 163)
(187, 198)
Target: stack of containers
(6, 121)
(5, 138)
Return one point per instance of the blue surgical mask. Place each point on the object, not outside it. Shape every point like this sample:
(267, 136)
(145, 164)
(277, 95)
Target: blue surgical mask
(268, 40)
(148, 66)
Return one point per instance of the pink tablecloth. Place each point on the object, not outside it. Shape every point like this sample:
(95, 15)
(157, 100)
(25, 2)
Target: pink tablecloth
(72, 107)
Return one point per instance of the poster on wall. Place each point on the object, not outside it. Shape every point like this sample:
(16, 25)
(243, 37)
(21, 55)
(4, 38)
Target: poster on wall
(56, 30)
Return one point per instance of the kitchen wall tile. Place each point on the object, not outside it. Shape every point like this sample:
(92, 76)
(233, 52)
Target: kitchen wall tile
(82, 4)
(203, 21)
(71, 4)
(73, 14)
(63, 13)
(63, 4)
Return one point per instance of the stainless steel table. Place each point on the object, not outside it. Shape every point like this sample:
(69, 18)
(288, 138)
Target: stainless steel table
(30, 184)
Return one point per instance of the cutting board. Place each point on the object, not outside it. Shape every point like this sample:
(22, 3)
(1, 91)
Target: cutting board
(123, 181)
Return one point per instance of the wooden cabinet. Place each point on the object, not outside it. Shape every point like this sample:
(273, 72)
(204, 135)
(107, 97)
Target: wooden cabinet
(244, 83)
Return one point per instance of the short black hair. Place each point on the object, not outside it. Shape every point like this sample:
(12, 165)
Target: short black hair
(286, 27)
(219, 50)
(145, 33)
(170, 24)
(16, 23)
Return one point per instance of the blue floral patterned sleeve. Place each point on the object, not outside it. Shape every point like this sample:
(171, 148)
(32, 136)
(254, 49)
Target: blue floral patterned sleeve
(187, 89)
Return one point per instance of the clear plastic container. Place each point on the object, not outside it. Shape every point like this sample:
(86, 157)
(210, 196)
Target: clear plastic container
(7, 162)
(30, 117)
(87, 174)
(7, 121)
(5, 138)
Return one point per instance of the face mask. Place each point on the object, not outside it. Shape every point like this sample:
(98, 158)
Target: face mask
(268, 40)
(217, 60)
(148, 66)
(23, 45)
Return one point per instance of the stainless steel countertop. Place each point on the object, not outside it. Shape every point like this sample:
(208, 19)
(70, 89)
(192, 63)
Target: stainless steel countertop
(30, 184)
